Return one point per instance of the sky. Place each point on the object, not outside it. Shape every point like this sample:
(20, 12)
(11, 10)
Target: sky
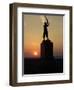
(33, 32)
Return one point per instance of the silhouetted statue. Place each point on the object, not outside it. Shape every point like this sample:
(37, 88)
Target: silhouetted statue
(46, 24)
(46, 44)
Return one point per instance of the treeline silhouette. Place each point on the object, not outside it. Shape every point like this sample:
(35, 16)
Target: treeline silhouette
(43, 65)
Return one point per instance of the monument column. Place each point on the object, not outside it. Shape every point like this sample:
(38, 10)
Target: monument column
(46, 45)
(46, 49)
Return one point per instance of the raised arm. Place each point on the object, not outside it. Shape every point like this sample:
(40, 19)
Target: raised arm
(47, 20)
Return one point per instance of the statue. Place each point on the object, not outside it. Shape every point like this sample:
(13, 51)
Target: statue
(47, 44)
(46, 24)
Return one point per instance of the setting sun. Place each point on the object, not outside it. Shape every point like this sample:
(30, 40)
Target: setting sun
(35, 53)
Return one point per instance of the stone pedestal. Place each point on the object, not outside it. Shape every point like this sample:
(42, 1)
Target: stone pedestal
(46, 49)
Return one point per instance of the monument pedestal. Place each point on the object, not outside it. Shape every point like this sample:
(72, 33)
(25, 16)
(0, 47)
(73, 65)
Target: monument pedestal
(46, 49)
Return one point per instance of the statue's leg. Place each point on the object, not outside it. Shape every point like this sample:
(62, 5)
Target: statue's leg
(47, 35)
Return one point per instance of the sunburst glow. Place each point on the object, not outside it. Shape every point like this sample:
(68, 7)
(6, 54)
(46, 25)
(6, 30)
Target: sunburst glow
(35, 53)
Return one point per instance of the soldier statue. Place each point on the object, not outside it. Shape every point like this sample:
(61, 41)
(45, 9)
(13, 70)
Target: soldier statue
(46, 24)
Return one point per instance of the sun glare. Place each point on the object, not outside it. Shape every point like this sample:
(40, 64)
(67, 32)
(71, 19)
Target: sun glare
(35, 53)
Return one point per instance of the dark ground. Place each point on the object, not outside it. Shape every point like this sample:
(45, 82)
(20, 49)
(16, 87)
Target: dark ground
(41, 65)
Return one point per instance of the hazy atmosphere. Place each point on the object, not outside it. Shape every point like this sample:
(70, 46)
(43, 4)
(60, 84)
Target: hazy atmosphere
(33, 31)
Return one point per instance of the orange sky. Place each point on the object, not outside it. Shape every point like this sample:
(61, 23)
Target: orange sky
(33, 30)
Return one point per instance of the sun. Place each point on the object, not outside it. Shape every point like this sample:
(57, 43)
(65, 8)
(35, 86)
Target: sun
(35, 53)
